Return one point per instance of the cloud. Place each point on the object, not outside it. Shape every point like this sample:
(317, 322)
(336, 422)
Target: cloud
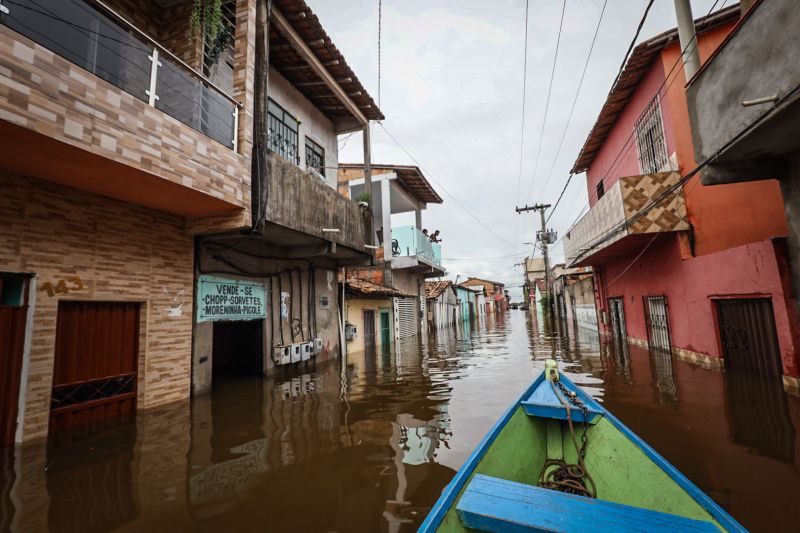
(451, 90)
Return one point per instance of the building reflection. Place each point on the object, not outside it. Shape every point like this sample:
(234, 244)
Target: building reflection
(662, 369)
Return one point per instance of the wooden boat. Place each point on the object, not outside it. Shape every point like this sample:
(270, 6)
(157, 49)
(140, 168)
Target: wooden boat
(533, 473)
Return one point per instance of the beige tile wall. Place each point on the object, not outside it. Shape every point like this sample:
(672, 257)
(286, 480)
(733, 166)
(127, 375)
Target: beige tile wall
(120, 252)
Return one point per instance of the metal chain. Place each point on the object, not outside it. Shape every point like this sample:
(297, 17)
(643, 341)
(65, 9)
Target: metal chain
(565, 477)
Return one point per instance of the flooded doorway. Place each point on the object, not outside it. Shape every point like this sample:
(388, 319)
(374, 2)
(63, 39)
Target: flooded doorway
(655, 315)
(238, 348)
(616, 308)
(96, 362)
(13, 316)
(386, 328)
(369, 329)
(748, 336)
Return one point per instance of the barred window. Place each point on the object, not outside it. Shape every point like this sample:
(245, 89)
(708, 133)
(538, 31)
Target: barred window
(282, 137)
(650, 139)
(315, 157)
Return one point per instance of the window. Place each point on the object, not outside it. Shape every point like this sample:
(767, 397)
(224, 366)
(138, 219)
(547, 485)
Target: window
(315, 157)
(650, 139)
(282, 133)
(13, 289)
(601, 189)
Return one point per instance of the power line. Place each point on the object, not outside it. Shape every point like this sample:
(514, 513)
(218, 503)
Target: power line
(572, 109)
(617, 228)
(524, 92)
(547, 101)
(459, 204)
(380, 17)
(627, 146)
(633, 43)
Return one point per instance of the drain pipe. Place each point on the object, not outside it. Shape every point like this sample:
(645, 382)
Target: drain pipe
(688, 37)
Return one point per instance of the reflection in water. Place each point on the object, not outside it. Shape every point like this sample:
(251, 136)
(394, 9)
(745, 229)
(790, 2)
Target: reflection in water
(369, 445)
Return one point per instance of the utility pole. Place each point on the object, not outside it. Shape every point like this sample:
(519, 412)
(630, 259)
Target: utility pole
(543, 238)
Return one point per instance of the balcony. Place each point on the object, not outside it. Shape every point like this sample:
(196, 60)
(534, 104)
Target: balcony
(110, 110)
(411, 249)
(725, 98)
(616, 222)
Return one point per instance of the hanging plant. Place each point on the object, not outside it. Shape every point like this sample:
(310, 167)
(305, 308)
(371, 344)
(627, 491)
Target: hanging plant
(206, 20)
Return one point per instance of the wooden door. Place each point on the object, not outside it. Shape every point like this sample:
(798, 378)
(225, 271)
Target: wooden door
(749, 337)
(95, 370)
(12, 339)
(369, 329)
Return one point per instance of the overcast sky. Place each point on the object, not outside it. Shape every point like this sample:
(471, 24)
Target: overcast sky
(451, 91)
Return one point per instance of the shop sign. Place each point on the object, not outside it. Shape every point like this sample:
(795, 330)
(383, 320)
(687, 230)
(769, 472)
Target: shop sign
(230, 299)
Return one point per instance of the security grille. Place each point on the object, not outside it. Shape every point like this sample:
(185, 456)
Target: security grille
(282, 134)
(406, 314)
(315, 157)
(655, 308)
(650, 139)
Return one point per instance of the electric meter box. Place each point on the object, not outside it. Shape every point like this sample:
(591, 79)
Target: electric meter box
(350, 332)
(307, 350)
(317, 346)
(280, 355)
(296, 353)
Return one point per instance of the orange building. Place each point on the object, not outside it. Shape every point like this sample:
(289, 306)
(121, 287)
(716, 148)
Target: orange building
(697, 271)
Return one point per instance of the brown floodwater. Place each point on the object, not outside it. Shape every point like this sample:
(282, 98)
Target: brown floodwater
(369, 445)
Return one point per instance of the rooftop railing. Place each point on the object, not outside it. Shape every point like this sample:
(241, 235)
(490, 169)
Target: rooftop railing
(93, 36)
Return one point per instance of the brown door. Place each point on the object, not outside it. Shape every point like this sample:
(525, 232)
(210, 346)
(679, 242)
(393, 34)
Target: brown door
(748, 335)
(12, 337)
(95, 371)
(369, 329)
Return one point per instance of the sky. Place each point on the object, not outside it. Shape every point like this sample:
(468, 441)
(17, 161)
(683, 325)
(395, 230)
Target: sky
(451, 90)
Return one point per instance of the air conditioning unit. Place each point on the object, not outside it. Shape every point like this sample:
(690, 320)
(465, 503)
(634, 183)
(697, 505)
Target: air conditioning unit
(296, 353)
(307, 350)
(317, 347)
(280, 354)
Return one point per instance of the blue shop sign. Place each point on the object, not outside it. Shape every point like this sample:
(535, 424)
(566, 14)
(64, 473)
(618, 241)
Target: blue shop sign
(229, 299)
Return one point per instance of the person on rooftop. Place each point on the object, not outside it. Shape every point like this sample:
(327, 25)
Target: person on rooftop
(435, 236)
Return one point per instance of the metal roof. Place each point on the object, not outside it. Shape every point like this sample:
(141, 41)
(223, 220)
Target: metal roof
(635, 69)
(291, 65)
(410, 177)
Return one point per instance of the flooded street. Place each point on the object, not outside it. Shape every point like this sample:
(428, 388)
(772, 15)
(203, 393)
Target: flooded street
(370, 446)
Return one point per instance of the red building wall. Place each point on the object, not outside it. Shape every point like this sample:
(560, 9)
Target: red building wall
(729, 252)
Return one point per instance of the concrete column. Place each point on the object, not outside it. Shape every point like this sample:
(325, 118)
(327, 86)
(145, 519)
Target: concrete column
(418, 215)
(687, 36)
(386, 218)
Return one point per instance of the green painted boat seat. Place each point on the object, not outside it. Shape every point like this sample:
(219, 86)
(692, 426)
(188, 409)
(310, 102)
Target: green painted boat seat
(492, 504)
(544, 403)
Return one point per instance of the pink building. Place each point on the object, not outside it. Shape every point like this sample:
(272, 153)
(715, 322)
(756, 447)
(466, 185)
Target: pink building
(698, 271)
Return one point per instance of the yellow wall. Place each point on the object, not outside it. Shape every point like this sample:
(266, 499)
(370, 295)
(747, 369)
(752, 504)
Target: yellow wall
(355, 316)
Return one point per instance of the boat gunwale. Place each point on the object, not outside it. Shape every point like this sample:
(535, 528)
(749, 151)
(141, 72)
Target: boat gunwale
(453, 489)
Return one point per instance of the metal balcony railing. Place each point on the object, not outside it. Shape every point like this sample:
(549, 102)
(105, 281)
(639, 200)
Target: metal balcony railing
(409, 241)
(93, 36)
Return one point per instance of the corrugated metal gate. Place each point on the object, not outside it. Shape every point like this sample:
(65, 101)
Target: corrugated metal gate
(748, 335)
(95, 370)
(655, 315)
(406, 311)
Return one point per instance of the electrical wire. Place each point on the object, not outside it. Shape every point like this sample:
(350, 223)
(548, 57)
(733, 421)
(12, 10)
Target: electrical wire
(628, 146)
(430, 176)
(547, 101)
(524, 93)
(380, 20)
(574, 102)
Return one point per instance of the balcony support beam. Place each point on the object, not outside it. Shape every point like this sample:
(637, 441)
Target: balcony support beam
(386, 218)
(308, 55)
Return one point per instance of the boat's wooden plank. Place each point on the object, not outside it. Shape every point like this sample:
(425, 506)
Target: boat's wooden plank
(544, 403)
(492, 504)
(555, 440)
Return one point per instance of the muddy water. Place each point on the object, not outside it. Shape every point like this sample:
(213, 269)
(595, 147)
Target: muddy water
(368, 446)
